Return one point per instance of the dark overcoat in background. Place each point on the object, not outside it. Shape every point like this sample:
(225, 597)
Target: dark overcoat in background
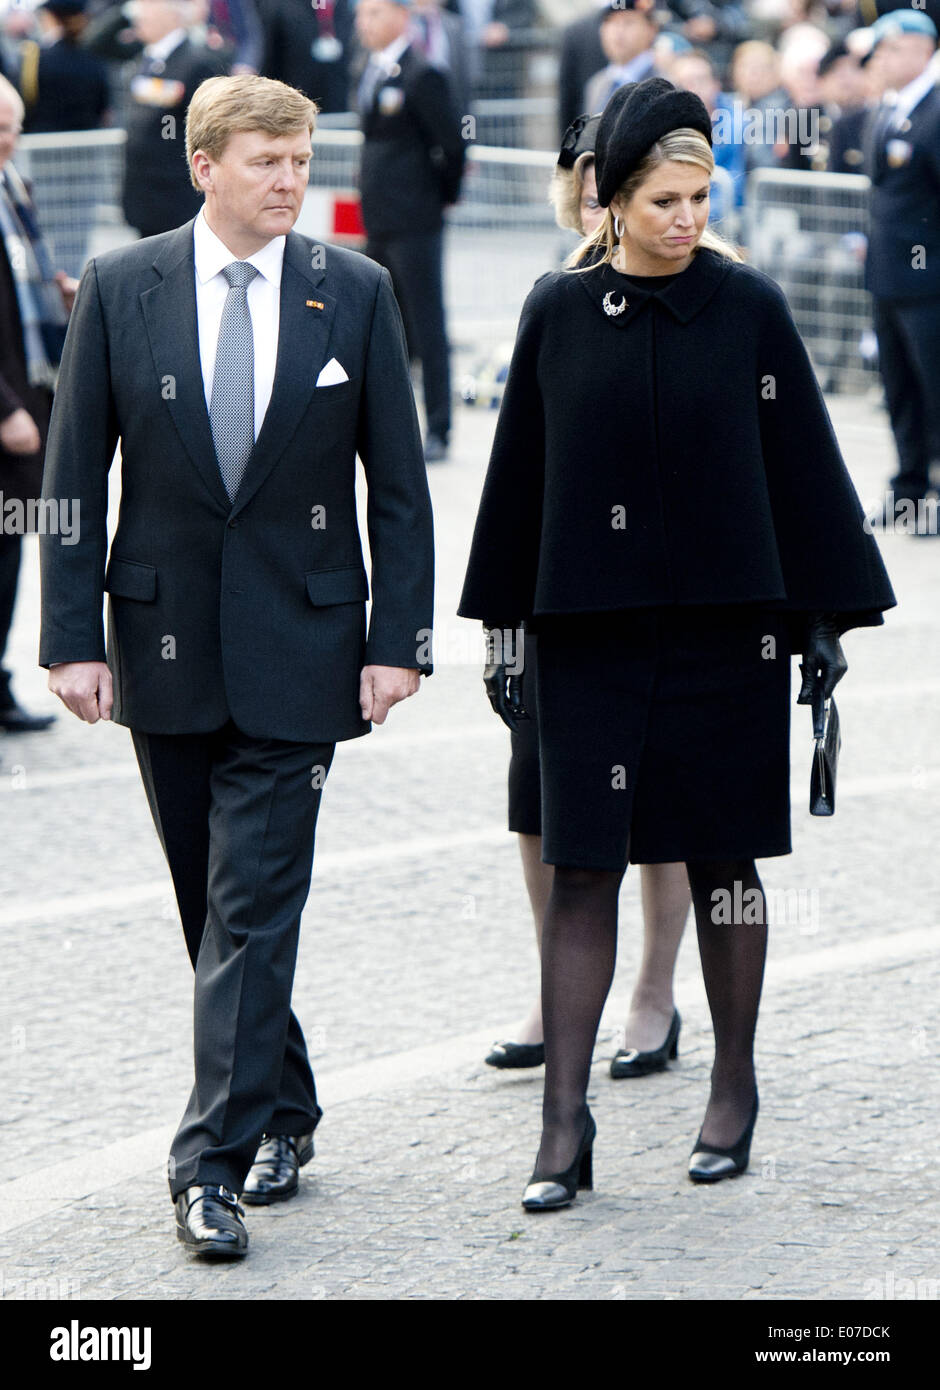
(413, 151)
(20, 474)
(679, 453)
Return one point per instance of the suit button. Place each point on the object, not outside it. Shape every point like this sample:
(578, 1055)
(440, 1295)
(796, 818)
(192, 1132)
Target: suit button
(232, 524)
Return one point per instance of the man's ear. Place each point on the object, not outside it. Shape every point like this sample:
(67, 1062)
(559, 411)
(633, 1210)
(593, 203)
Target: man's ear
(202, 168)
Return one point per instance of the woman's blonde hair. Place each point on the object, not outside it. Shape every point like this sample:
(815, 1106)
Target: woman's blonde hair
(685, 146)
(565, 190)
(221, 106)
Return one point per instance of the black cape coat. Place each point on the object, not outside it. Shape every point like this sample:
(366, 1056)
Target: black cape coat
(679, 453)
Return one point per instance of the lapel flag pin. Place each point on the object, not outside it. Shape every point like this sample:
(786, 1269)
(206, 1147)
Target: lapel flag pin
(315, 304)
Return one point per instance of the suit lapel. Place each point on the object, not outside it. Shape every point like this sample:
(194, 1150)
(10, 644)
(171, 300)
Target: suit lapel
(169, 310)
(303, 335)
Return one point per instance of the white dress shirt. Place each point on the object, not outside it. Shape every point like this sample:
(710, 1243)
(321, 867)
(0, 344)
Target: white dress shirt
(161, 49)
(264, 307)
(912, 95)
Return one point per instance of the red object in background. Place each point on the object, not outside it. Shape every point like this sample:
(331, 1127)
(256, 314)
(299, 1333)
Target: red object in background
(347, 217)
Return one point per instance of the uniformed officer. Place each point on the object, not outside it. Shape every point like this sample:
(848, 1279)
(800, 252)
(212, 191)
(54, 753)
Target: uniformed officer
(412, 165)
(902, 269)
(158, 193)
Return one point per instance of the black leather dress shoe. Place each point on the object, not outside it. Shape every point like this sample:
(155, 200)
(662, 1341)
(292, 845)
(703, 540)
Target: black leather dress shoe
(209, 1221)
(275, 1174)
(15, 720)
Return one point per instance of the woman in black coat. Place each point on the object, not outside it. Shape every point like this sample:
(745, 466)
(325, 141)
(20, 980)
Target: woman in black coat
(667, 507)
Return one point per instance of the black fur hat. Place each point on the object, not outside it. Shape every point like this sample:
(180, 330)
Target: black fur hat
(637, 115)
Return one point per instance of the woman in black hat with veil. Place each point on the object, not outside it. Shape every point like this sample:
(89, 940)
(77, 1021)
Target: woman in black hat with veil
(667, 507)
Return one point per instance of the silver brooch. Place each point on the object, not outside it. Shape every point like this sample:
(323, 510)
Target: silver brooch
(610, 308)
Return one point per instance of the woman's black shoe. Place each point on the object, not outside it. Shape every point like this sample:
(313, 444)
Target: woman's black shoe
(506, 1055)
(710, 1163)
(558, 1189)
(629, 1062)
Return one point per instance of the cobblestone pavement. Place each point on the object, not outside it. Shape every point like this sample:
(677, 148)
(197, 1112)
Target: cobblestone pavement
(418, 950)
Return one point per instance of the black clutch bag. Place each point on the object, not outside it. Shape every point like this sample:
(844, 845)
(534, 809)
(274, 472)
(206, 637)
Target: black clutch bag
(822, 782)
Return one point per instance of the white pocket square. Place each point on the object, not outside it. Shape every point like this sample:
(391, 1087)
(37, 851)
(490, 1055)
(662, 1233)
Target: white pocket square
(332, 374)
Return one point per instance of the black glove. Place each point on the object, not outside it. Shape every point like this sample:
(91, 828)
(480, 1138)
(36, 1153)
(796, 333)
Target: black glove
(504, 690)
(823, 664)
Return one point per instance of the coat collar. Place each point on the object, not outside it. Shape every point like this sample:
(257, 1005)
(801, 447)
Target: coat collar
(685, 295)
(169, 309)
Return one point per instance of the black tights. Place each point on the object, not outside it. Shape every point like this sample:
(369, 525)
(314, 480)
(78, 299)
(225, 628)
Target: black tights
(579, 950)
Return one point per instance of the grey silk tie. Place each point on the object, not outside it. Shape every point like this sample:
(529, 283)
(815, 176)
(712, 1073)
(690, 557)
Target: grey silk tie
(232, 402)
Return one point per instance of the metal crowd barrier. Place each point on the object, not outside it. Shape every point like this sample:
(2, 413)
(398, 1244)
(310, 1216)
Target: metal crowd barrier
(809, 232)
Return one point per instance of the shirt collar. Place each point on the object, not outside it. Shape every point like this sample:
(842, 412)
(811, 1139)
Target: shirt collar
(162, 49)
(387, 57)
(212, 255)
(913, 94)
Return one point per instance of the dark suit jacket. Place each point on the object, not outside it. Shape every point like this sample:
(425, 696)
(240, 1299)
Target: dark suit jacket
(413, 151)
(581, 57)
(20, 474)
(291, 28)
(252, 609)
(905, 206)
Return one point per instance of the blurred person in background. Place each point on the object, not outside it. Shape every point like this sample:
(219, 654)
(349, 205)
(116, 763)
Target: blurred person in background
(412, 166)
(230, 28)
(234, 28)
(695, 73)
(441, 36)
(17, 22)
(801, 50)
(493, 28)
(34, 306)
(714, 26)
(581, 57)
(755, 79)
(310, 47)
(628, 31)
(843, 87)
(902, 268)
(651, 1033)
(63, 86)
(171, 62)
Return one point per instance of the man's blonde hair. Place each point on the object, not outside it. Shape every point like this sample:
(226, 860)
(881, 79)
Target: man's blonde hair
(222, 106)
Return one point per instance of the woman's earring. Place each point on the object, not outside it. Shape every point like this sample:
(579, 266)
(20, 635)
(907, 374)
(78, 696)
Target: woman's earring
(618, 226)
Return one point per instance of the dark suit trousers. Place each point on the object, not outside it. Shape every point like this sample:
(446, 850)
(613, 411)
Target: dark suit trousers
(416, 265)
(10, 550)
(237, 817)
(908, 352)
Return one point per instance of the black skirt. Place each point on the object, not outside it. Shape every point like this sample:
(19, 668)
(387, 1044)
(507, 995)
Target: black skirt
(663, 736)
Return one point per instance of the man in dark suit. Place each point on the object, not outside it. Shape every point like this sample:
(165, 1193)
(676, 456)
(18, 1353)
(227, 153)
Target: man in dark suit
(158, 192)
(242, 367)
(412, 166)
(902, 268)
